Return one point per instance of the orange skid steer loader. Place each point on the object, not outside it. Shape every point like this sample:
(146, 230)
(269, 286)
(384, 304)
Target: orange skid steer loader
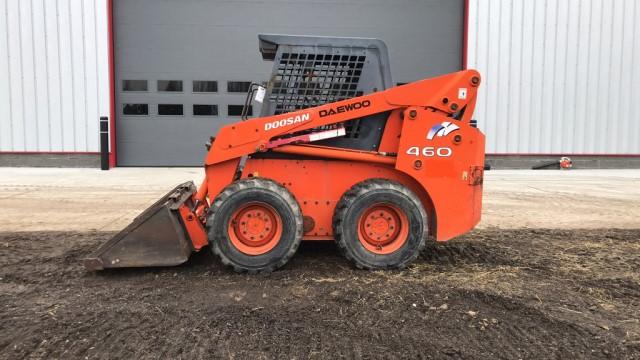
(337, 154)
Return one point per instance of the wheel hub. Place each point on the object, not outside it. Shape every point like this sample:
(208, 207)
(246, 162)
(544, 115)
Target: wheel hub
(255, 228)
(383, 228)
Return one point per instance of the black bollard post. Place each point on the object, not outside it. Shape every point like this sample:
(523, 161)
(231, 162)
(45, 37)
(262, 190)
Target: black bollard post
(104, 143)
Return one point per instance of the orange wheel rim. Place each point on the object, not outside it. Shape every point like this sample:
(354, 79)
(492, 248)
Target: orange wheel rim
(383, 228)
(255, 228)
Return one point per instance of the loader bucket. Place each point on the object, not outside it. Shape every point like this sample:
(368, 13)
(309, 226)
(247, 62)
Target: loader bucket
(155, 238)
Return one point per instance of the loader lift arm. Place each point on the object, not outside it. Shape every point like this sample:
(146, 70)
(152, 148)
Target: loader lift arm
(440, 94)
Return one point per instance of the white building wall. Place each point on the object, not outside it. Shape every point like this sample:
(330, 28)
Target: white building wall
(560, 76)
(54, 75)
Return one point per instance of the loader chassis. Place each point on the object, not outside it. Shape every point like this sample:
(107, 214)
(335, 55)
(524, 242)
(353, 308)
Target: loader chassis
(270, 184)
(450, 179)
(318, 185)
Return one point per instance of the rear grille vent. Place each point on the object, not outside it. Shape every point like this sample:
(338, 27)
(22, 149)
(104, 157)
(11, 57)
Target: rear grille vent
(307, 80)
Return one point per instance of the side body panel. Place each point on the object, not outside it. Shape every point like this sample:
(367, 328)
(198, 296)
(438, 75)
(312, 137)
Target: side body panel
(448, 194)
(318, 185)
(448, 167)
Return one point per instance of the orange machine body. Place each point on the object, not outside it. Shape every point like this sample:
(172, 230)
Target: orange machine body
(429, 144)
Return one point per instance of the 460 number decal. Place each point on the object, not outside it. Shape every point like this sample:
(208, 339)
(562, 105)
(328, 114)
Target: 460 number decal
(430, 151)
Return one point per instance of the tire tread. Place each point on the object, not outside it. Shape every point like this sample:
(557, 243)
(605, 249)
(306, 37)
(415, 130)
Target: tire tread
(243, 184)
(350, 197)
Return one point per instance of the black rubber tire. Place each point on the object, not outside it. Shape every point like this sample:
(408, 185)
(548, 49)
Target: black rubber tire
(230, 199)
(360, 197)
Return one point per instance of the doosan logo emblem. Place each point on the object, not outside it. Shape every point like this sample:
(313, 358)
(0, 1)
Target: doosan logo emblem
(288, 121)
(441, 130)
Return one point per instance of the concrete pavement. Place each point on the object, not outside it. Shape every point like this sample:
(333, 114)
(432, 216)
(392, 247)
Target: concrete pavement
(74, 199)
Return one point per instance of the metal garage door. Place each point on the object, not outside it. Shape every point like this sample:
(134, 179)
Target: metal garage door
(182, 67)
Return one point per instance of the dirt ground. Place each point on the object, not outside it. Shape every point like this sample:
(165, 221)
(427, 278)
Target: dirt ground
(551, 272)
(494, 293)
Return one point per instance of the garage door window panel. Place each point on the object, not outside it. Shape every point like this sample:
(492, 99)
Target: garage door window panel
(205, 86)
(135, 85)
(205, 110)
(170, 109)
(135, 109)
(238, 86)
(236, 110)
(170, 85)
